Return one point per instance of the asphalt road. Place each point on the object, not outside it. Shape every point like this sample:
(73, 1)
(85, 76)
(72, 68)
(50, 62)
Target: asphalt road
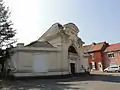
(96, 81)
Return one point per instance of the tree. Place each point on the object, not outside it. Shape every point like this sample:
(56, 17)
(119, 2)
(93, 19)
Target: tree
(6, 31)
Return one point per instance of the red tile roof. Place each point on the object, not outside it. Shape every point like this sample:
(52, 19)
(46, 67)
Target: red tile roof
(113, 47)
(97, 47)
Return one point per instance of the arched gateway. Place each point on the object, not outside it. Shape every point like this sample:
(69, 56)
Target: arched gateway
(57, 52)
(72, 57)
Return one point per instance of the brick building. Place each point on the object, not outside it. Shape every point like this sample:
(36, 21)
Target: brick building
(112, 54)
(96, 55)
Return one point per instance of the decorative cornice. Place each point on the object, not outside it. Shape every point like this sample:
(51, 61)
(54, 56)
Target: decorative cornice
(36, 49)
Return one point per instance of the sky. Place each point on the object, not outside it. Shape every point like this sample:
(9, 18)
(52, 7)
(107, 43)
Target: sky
(97, 20)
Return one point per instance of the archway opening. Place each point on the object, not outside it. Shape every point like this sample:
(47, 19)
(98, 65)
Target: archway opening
(72, 53)
(71, 49)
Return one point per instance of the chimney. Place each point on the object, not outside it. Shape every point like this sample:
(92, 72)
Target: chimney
(20, 45)
(93, 43)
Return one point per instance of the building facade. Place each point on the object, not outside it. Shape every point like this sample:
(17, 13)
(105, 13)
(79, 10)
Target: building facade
(86, 55)
(96, 56)
(112, 55)
(57, 52)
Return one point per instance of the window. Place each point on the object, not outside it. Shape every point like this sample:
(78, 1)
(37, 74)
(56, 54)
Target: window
(114, 67)
(92, 55)
(111, 55)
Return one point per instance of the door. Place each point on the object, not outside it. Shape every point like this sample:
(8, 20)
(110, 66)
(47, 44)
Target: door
(96, 68)
(72, 67)
(90, 64)
(100, 66)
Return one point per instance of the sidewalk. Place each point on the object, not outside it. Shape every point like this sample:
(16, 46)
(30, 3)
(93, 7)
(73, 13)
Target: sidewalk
(105, 73)
(97, 72)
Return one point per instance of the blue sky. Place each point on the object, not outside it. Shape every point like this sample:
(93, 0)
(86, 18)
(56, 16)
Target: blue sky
(97, 20)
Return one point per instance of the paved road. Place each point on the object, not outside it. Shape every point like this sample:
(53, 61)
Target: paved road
(97, 81)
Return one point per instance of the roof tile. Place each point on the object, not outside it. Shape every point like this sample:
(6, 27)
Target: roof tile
(96, 47)
(113, 47)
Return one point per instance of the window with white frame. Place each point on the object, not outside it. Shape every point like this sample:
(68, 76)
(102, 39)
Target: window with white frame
(111, 55)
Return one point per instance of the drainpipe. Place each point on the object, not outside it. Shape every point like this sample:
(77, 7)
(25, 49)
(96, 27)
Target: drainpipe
(62, 56)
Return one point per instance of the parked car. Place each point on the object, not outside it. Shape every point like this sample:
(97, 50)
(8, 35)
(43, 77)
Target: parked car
(114, 68)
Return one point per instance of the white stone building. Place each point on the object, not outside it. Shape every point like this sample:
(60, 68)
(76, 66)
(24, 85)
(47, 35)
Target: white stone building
(57, 52)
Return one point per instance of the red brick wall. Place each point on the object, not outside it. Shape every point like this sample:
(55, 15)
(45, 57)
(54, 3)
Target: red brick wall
(106, 60)
(97, 58)
(116, 58)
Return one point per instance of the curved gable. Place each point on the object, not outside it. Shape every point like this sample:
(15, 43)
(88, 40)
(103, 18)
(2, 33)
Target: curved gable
(51, 31)
(72, 26)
